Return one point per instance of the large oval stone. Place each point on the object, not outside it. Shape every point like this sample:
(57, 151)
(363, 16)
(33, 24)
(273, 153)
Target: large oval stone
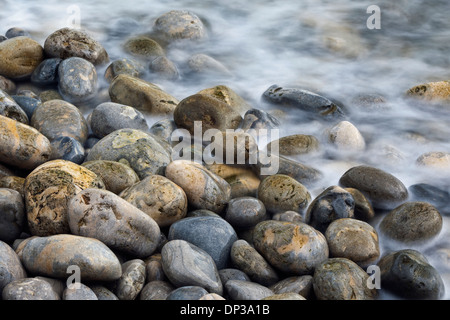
(77, 79)
(48, 190)
(187, 265)
(19, 57)
(295, 248)
(142, 151)
(103, 215)
(214, 235)
(21, 145)
(383, 189)
(51, 256)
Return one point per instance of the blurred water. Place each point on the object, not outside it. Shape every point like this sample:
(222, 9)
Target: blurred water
(323, 46)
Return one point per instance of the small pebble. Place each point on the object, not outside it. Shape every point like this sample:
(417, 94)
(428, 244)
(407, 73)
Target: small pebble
(132, 280)
(156, 290)
(77, 80)
(244, 212)
(245, 290)
(83, 292)
(12, 215)
(67, 148)
(187, 293)
(29, 289)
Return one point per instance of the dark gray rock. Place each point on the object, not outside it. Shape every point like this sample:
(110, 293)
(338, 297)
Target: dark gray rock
(28, 104)
(245, 290)
(46, 72)
(187, 293)
(29, 289)
(12, 214)
(302, 285)
(103, 293)
(132, 280)
(163, 129)
(83, 292)
(77, 80)
(363, 208)
(244, 212)
(153, 268)
(214, 235)
(11, 268)
(67, 148)
(156, 290)
(259, 119)
(232, 274)
(16, 32)
(9, 108)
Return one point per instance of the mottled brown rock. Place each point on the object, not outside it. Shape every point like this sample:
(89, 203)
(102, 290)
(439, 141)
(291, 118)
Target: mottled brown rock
(285, 296)
(19, 57)
(363, 208)
(132, 280)
(116, 176)
(159, 197)
(9, 108)
(180, 24)
(48, 190)
(295, 145)
(123, 66)
(21, 145)
(57, 118)
(141, 95)
(229, 96)
(143, 47)
(438, 91)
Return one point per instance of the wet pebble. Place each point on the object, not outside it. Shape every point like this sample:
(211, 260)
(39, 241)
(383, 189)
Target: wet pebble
(437, 160)
(153, 268)
(144, 48)
(384, 190)
(142, 151)
(79, 291)
(19, 57)
(302, 285)
(187, 265)
(289, 216)
(132, 280)
(346, 137)
(204, 189)
(163, 129)
(51, 256)
(141, 95)
(229, 96)
(213, 235)
(244, 212)
(103, 215)
(46, 73)
(77, 80)
(16, 32)
(295, 248)
(341, 279)
(156, 290)
(21, 145)
(58, 118)
(431, 92)
(11, 268)
(29, 289)
(434, 195)
(9, 108)
(259, 119)
(12, 215)
(296, 144)
(123, 66)
(333, 203)
(409, 274)
(250, 261)
(280, 193)
(48, 190)
(244, 185)
(413, 221)
(109, 116)
(205, 65)
(164, 68)
(180, 24)
(187, 293)
(246, 290)
(115, 175)
(66, 42)
(353, 239)
(363, 208)
(67, 148)
(27, 104)
(213, 113)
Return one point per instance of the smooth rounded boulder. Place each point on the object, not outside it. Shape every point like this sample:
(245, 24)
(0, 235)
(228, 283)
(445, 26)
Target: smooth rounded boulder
(19, 57)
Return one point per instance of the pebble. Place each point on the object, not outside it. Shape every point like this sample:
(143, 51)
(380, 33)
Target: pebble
(295, 248)
(353, 239)
(229, 96)
(213, 114)
(431, 92)
(280, 193)
(66, 43)
(103, 215)
(125, 66)
(214, 235)
(297, 144)
(7, 85)
(81, 293)
(142, 95)
(51, 256)
(57, 284)
(341, 279)
(204, 189)
(314, 105)
(163, 129)
(58, 118)
(370, 102)
(11, 268)
(156, 290)
(245, 212)
(247, 259)
(212, 296)
(46, 73)
(384, 190)
(27, 104)
(115, 175)
(408, 274)
(187, 293)
(412, 221)
(346, 137)
(259, 119)
(9, 108)
(164, 68)
(29, 289)
(19, 57)
(12, 215)
(48, 95)
(205, 65)
(363, 208)
(302, 285)
(437, 160)
(77, 80)
(285, 296)
(132, 280)
(187, 265)
(103, 293)
(67, 148)
(14, 183)
(144, 48)
(232, 274)
(244, 185)
(143, 152)
(333, 203)
(158, 197)
(153, 268)
(48, 190)
(180, 24)
(246, 290)
(21, 145)
(16, 32)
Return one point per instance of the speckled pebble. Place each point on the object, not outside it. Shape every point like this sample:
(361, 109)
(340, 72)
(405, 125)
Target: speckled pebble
(83, 292)
(245, 290)
(132, 280)
(156, 290)
(187, 293)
